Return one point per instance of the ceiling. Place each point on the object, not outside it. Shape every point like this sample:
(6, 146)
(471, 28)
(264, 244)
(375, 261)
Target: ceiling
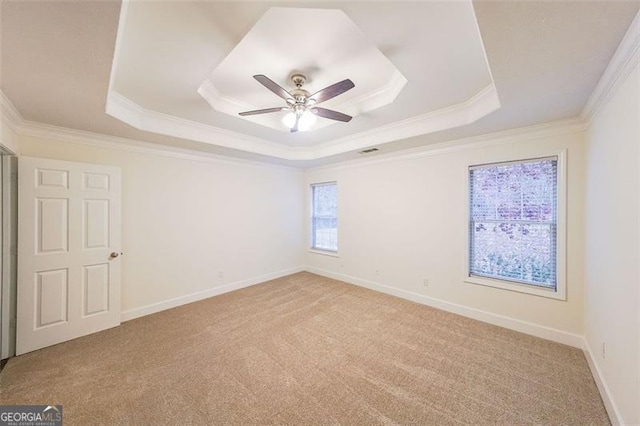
(133, 70)
(322, 57)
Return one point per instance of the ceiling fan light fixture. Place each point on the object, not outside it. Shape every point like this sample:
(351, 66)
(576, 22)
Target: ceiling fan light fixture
(289, 119)
(306, 121)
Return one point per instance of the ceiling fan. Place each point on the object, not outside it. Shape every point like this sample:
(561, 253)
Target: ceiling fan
(301, 104)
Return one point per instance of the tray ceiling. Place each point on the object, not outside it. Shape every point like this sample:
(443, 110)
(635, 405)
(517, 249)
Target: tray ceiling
(63, 62)
(171, 55)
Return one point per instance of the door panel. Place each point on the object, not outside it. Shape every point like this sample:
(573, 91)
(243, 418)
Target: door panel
(52, 217)
(52, 297)
(96, 289)
(96, 224)
(53, 178)
(96, 181)
(68, 225)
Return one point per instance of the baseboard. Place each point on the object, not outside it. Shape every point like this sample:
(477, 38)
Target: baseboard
(548, 333)
(605, 394)
(205, 294)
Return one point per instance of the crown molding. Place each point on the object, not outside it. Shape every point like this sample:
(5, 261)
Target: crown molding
(480, 105)
(11, 117)
(521, 134)
(379, 97)
(483, 103)
(624, 60)
(217, 100)
(82, 137)
(10, 120)
(136, 116)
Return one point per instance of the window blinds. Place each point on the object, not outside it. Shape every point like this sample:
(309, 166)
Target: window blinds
(324, 221)
(513, 221)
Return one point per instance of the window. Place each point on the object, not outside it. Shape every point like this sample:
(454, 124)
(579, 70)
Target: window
(324, 216)
(513, 225)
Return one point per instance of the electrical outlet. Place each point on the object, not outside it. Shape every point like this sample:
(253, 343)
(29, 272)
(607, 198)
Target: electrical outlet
(377, 271)
(604, 350)
(425, 282)
(220, 274)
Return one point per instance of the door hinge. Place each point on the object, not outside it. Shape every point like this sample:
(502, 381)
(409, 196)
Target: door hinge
(12, 323)
(14, 177)
(14, 251)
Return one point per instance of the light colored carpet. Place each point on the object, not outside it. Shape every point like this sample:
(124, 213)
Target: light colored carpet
(305, 349)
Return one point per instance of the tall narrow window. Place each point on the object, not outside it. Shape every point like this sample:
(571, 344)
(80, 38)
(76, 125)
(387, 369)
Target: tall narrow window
(513, 222)
(324, 216)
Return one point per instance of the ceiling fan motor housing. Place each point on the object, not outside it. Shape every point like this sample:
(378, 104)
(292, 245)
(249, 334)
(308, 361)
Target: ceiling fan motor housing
(300, 95)
(298, 80)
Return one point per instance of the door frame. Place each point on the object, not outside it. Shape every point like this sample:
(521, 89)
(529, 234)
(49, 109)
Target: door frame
(8, 252)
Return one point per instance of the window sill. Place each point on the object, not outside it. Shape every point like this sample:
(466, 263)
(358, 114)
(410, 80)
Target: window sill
(557, 294)
(324, 252)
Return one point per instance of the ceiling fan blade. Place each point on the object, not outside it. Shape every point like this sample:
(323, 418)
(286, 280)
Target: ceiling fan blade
(332, 91)
(295, 126)
(263, 111)
(273, 86)
(331, 114)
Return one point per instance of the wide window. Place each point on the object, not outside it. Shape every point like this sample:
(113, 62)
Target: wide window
(324, 216)
(513, 226)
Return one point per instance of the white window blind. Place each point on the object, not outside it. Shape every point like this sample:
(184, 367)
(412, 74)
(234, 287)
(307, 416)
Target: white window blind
(513, 221)
(324, 216)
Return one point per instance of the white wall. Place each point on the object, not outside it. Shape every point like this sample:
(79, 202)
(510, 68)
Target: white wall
(612, 306)
(407, 218)
(185, 221)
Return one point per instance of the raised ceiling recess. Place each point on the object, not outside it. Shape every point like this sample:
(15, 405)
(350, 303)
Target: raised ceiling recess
(186, 69)
(324, 45)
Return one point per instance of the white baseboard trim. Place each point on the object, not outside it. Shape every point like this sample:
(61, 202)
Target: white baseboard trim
(548, 333)
(607, 398)
(205, 294)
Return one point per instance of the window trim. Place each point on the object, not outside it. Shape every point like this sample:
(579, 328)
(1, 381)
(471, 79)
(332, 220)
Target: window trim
(560, 292)
(312, 249)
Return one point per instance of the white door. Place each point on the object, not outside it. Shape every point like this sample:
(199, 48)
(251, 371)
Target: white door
(68, 251)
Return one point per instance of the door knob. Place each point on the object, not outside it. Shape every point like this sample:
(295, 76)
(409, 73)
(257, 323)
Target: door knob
(114, 254)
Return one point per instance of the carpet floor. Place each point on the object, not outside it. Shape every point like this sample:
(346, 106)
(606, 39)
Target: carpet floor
(305, 349)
